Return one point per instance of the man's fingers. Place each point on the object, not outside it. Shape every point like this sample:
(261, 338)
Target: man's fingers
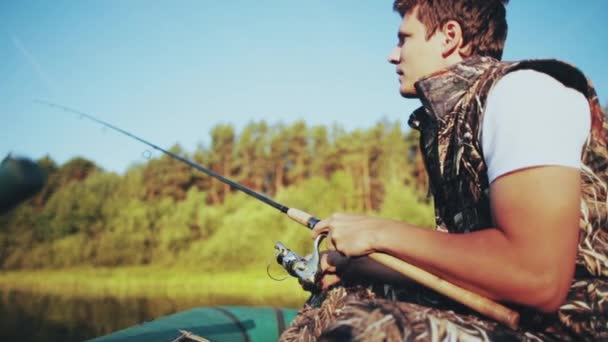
(337, 260)
(331, 242)
(320, 228)
(326, 265)
(328, 280)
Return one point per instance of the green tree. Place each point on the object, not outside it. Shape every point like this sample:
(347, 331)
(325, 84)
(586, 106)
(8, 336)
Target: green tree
(129, 235)
(251, 156)
(320, 150)
(278, 157)
(402, 203)
(393, 160)
(417, 175)
(181, 226)
(201, 180)
(354, 151)
(167, 177)
(47, 164)
(74, 170)
(298, 155)
(221, 159)
(77, 207)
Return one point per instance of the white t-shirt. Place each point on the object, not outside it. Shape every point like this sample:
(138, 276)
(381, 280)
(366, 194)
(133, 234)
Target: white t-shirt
(531, 119)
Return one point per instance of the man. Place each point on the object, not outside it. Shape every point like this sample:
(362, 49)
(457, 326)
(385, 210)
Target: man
(524, 208)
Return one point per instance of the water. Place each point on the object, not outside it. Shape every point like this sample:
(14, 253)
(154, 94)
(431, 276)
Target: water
(35, 317)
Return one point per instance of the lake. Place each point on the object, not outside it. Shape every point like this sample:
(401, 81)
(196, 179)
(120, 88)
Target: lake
(34, 317)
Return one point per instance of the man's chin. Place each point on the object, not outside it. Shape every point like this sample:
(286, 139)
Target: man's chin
(408, 93)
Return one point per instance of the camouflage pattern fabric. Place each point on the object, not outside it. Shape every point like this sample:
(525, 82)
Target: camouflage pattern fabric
(449, 122)
(359, 314)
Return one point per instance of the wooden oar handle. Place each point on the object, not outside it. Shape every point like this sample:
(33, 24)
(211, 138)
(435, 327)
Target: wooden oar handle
(474, 301)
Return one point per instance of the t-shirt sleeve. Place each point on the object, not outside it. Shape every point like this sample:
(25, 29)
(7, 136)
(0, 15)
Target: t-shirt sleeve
(531, 119)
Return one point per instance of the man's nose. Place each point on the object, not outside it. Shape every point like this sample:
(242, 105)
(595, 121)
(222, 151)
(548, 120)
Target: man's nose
(394, 56)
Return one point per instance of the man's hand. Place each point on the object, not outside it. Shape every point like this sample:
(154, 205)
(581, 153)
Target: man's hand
(333, 265)
(351, 235)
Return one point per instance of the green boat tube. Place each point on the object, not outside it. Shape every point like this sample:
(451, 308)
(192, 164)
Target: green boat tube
(217, 324)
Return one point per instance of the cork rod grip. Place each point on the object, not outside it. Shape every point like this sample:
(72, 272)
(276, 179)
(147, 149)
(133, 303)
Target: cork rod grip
(300, 216)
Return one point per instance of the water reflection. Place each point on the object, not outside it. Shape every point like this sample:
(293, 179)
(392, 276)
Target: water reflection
(34, 317)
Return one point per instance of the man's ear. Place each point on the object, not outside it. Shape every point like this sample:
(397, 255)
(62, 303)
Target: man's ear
(453, 39)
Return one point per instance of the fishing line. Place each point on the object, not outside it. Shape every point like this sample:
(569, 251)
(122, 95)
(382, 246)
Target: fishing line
(268, 270)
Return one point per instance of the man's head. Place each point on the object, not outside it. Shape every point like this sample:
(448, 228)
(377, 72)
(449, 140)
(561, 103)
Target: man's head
(435, 34)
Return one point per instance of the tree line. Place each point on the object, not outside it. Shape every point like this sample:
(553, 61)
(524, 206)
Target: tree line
(163, 212)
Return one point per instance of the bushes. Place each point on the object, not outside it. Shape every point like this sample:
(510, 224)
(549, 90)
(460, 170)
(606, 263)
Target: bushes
(242, 231)
(402, 203)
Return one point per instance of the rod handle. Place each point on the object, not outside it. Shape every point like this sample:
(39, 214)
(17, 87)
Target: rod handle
(302, 217)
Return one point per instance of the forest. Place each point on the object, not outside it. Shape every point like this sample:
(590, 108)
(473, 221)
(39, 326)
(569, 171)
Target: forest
(162, 212)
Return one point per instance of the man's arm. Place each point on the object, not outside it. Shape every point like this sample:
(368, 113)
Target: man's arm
(528, 258)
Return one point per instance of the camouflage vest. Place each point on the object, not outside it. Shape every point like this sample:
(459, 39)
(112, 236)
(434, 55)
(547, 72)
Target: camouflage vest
(450, 139)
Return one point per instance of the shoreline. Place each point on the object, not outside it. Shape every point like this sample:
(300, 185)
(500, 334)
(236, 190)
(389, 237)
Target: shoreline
(250, 287)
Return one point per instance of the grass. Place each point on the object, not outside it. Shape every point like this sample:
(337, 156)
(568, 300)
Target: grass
(247, 287)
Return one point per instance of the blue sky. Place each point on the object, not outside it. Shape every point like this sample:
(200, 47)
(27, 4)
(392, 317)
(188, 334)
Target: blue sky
(171, 70)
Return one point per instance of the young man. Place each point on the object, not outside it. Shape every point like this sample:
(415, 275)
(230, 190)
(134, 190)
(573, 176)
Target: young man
(516, 156)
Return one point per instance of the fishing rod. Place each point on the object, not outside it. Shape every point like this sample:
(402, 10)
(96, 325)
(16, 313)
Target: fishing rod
(295, 214)
(308, 269)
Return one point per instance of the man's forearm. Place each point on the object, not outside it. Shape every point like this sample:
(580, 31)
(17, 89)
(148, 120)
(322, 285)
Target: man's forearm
(366, 270)
(485, 262)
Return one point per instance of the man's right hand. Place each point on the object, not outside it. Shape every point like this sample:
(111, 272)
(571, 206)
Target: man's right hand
(337, 268)
(332, 267)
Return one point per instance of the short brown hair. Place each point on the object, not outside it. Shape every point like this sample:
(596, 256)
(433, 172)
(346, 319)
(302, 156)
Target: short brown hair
(483, 22)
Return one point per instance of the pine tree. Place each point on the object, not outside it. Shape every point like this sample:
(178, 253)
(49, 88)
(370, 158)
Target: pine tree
(221, 159)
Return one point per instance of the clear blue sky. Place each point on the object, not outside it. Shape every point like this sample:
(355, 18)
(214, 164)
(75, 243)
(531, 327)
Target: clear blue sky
(171, 70)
